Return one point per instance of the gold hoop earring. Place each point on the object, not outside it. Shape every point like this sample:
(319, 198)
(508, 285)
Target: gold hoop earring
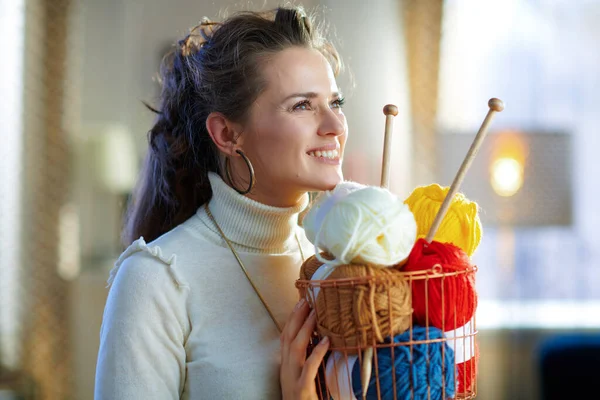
(250, 170)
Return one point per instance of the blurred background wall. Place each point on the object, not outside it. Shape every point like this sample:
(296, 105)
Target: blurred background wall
(73, 77)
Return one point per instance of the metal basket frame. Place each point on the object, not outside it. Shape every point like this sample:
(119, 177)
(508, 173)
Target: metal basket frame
(401, 277)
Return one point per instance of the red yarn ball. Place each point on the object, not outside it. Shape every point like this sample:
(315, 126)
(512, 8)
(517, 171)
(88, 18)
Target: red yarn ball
(459, 297)
(466, 373)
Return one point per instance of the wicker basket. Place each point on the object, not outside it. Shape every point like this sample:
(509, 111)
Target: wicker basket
(376, 332)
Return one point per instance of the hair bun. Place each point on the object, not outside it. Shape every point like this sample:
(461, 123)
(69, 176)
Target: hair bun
(288, 18)
(199, 35)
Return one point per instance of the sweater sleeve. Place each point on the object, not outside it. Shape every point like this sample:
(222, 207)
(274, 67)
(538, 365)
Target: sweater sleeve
(144, 329)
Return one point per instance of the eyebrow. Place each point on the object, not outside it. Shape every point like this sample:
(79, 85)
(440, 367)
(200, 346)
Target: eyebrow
(310, 95)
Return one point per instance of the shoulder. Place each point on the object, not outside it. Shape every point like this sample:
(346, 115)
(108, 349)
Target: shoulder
(145, 286)
(165, 257)
(144, 263)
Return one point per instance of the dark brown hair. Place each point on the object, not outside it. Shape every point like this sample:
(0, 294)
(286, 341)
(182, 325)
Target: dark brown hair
(214, 68)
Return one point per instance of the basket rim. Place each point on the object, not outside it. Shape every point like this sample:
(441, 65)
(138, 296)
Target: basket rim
(399, 276)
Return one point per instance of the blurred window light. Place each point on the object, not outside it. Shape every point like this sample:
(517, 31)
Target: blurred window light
(68, 239)
(534, 56)
(12, 27)
(552, 314)
(506, 176)
(116, 162)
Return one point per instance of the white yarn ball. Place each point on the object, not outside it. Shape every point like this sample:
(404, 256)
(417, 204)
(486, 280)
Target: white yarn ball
(368, 225)
(322, 205)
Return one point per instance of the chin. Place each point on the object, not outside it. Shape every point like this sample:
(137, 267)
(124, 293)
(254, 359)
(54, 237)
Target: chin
(326, 183)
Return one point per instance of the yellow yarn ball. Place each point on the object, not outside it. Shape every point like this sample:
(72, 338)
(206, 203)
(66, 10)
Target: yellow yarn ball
(461, 225)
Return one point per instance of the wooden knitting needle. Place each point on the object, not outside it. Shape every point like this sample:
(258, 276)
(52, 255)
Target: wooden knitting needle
(390, 111)
(495, 105)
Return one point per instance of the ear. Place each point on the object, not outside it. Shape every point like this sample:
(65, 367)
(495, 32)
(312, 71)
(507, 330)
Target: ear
(224, 133)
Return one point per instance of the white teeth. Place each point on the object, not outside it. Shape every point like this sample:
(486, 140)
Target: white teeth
(331, 154)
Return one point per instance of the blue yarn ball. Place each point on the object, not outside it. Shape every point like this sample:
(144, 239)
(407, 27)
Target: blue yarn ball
(440, 371)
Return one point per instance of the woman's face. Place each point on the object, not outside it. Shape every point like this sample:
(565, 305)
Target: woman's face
(296, 131)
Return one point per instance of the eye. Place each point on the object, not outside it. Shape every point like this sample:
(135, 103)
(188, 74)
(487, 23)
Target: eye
(303, 105)
(338, 103)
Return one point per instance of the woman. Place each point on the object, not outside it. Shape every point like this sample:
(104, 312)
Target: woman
(250, 121)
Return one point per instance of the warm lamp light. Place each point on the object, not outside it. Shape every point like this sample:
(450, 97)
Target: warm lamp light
(506, 176)
(519, 178)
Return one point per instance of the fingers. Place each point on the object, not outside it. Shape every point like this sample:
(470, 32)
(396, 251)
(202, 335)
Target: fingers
(294, 324)
(300, 343)
(311, 366)
(298, 372)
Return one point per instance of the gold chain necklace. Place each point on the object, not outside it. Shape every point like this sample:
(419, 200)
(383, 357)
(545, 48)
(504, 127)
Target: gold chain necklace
(237, 257)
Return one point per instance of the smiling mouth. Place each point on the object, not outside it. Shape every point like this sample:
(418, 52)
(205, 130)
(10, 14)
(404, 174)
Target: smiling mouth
(329, 154)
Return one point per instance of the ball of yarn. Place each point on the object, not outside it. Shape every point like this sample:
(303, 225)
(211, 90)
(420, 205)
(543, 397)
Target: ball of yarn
(314, 217)
(368, 225)
(466, 373)
(356, 314)
(459, 295)
(420, 371)
(311, 264)
(313, 269)
(461, 225)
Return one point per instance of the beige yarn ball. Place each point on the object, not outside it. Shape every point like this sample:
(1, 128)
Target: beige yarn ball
(355, 315)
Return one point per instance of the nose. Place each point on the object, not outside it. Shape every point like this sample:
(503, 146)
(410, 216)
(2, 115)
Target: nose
(332, 123)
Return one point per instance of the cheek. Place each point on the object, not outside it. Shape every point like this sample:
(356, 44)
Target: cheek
(344, 121)
(283, 140)
(343, 138)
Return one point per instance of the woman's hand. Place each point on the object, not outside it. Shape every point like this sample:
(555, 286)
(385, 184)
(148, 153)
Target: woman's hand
(298, 373)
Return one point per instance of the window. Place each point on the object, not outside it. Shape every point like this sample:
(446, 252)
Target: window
(12, 26)
(537, 58)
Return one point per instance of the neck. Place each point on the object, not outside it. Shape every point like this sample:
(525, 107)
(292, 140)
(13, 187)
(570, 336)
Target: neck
(274, 195)
(276, 198)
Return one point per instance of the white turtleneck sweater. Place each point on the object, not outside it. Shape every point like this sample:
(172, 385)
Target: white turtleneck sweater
(182, 320)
